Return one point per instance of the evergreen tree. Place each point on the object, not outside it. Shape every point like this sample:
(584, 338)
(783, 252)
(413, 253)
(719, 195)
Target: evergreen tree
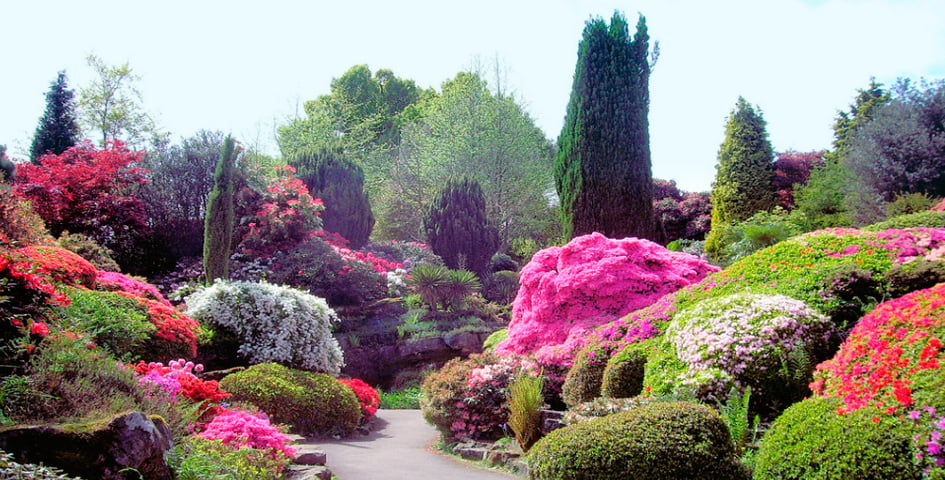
(458, 229)
(7, 167)
(58, 128)
(744, 175)
(218, 230)
(602, 170)
(339, 183)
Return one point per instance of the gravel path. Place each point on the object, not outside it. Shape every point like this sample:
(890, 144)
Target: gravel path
(399, 449)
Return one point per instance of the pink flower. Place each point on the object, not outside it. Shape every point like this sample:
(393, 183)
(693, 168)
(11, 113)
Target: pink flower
(39, 328)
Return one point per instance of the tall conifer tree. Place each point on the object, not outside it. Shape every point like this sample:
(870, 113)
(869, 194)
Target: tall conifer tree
(602, 170)
(339, 183)
(218, 230)
(58, 128)
(458, 228)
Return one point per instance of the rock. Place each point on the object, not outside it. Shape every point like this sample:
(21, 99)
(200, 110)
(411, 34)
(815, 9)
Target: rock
(307, 472)
(422, 347)
(132, 442)
(551, 420)
(465, 342)
(309, 455)
(501, 457)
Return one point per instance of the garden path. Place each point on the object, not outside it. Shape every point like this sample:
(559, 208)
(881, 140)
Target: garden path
(400, 448)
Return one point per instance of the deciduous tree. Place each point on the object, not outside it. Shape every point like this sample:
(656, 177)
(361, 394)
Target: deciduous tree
(111, 106)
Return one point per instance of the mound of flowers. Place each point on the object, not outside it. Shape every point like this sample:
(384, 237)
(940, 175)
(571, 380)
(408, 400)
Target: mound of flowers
(567, 291)
(117, 282)
(60, 265)
(368, 398)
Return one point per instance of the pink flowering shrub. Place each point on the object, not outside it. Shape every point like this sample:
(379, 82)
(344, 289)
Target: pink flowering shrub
(117, 282)
(241, 429)
(483, 412)
(178, 380)
(746, 340)
(929, 443)
(286, 214)
(892, 360)
(566, 291)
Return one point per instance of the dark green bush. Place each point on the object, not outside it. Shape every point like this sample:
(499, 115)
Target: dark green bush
(502, 286)
(623, 375)
(584, 379)
(851, 291)
(312, 403)
(918, 219)
(671, 441)
(116, 322)
(88, 249)
(500, 262)
(810, 441)
(909, 277)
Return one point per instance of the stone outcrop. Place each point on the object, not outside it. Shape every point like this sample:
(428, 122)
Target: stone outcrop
(121, 449)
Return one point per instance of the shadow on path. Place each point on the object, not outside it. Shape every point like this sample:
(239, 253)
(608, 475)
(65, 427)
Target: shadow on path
(399, 448)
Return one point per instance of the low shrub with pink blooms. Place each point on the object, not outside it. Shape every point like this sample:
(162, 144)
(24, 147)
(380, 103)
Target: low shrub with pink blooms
(567, 291)
(930, 442)
(239, 429)
(177, 379)
(117, 282)
(892, 360)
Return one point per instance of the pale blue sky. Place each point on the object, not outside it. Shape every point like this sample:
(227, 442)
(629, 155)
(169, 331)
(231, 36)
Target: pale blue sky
(241, 67)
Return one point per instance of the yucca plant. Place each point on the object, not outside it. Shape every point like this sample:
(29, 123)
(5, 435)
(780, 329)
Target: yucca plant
(428, 281)
(459, 285)
(525, 401)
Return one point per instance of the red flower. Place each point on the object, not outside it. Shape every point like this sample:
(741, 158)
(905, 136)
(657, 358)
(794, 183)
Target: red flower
(39, 328)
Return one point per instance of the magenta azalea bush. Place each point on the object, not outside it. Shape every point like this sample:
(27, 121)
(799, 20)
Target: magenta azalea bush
(567, 291)
(484, 410)
(117, 282)
(238, 428)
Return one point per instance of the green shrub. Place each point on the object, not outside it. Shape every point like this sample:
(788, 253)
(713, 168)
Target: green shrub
(673, 440)
(459, 286)
(116, 322)
(502, 286)
(406, 399)
(912, 220)
(810, 441)
(908, 277)
(427, 280)
(9, 468)
(87, 248)
(584, 379)
(623, 375)
(909, 203)
(502, 262)
(312, 403)
(495, 338)
(200, 458)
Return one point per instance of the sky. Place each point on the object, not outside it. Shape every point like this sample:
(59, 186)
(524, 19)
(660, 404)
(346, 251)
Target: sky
(245, 67)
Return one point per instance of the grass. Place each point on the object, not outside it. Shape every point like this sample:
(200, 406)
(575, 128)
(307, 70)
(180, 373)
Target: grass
(408, 398)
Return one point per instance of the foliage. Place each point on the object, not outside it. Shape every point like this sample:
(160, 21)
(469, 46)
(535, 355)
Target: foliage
(792, 170)
(584, 379)
(443, 392)
(494, 339)
(286, 216)
(566, 291)
(89, 191)
(763, 229)
(927, 219)
(656, 441)
(428, 281)
(811, 441)
(218, 229)
(623, 374)
(111, 105)
(199, 458)
(928, 441)
(407, 254)
(270, 323)
(458, 228)
(408, 398)
(685, 218)
(891, 360)
(311, 403)
(18, 221)
(115, 322)
(26, 291)
(602, 170)
(339, 184)
(117, 282)
(89, 249)
(502, 287)
(747, 340)
(7, 167)
(11, 469)
(178, 380)
(743, 179)
(58, 129)
(368, 398)
(525, 401)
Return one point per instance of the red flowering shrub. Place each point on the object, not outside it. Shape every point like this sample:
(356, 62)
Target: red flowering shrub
(117, 282)
(892, 359)
(60, 265)
(589, 282)
(176, 335)
(369, 399)
(285, 216)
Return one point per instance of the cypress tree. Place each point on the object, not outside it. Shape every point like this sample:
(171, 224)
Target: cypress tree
(458, 229)
(602, 170)
(339, 183)
(743, 180)
(218, 229)
(58, 128)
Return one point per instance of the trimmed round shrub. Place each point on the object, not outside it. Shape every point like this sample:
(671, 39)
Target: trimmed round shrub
(623, 375)
(747, 340)
(811, 441)
(584, 379)
(271, 323)
(892, 360)
(443, 391)
(117, 282)
(495, 338)
(311, 403)
(671, 441)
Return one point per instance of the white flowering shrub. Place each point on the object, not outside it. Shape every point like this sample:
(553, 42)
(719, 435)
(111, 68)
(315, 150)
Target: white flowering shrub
(274, 323)
(767, 342)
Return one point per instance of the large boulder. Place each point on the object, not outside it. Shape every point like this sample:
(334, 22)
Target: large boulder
(121, 449)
